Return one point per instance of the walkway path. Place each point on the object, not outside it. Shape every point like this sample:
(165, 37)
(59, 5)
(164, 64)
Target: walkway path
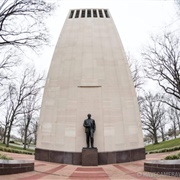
(52, 171)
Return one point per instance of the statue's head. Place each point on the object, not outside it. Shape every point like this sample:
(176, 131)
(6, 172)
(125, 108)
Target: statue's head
(89, 115)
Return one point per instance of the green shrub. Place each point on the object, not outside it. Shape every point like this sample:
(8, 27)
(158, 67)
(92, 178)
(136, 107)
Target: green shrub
(176, 148)
(172, 157)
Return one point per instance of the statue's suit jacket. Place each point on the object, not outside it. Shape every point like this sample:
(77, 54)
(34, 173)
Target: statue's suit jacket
(89, 125)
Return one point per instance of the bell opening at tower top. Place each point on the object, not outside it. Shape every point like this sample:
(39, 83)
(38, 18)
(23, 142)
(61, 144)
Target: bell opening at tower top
(89, 13)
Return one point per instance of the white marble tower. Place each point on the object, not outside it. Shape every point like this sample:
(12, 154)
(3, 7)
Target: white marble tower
(89, 73)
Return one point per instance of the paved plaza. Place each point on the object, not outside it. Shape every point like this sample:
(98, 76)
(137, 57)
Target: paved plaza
(52, 171)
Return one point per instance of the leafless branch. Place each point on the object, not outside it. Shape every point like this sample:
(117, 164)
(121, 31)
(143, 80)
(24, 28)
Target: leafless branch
(23, 93)
(162, 63)
(21, 22)
(152, 114)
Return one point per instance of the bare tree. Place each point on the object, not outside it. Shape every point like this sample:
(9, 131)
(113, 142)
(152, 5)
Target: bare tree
(173, 115)
(162, 129)
(1, 132)
(8, 61)
(29, 85)
(21, 132)
(152, 114)
(30, 108)
(170, 132)
(136, 72)
(177, 116)
(8, 114)
(35, 129)
(3, 97)
(21, 25)
(148, 138)
(21, 22)
(5, 66)
(163, 65)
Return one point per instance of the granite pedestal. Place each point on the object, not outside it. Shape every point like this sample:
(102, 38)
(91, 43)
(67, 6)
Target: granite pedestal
(163, 167)
(15, 166)
(89, 157)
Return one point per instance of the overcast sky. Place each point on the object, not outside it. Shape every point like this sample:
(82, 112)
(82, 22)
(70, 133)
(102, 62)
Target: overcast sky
(135, 20)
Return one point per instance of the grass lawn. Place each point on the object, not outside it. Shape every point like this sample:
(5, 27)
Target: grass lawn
(15, 148)
(163, 145)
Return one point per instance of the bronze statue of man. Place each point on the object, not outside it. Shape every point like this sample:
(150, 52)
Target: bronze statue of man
(90, 128)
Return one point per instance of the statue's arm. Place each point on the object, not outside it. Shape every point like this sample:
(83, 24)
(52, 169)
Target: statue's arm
(84, 124)
(94, 125)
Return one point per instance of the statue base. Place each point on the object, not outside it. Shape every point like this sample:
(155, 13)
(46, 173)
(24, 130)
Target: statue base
(89, 157)
(75, 158)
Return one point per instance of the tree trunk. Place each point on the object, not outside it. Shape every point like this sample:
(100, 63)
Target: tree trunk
(155, 137)
(178, 124)
(174, 129)
(8, 135)
(35, 140)
(9, 132)
(25, 131)
(35, 133)
(25, 137)
(4, 136)
(174, 133)
(162, 134)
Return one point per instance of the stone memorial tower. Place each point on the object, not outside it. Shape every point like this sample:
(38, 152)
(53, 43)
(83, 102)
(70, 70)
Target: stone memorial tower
(89, 73)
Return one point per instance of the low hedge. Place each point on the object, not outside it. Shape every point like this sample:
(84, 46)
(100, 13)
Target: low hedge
(171, 157)
(6, 149)
(165, 150)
